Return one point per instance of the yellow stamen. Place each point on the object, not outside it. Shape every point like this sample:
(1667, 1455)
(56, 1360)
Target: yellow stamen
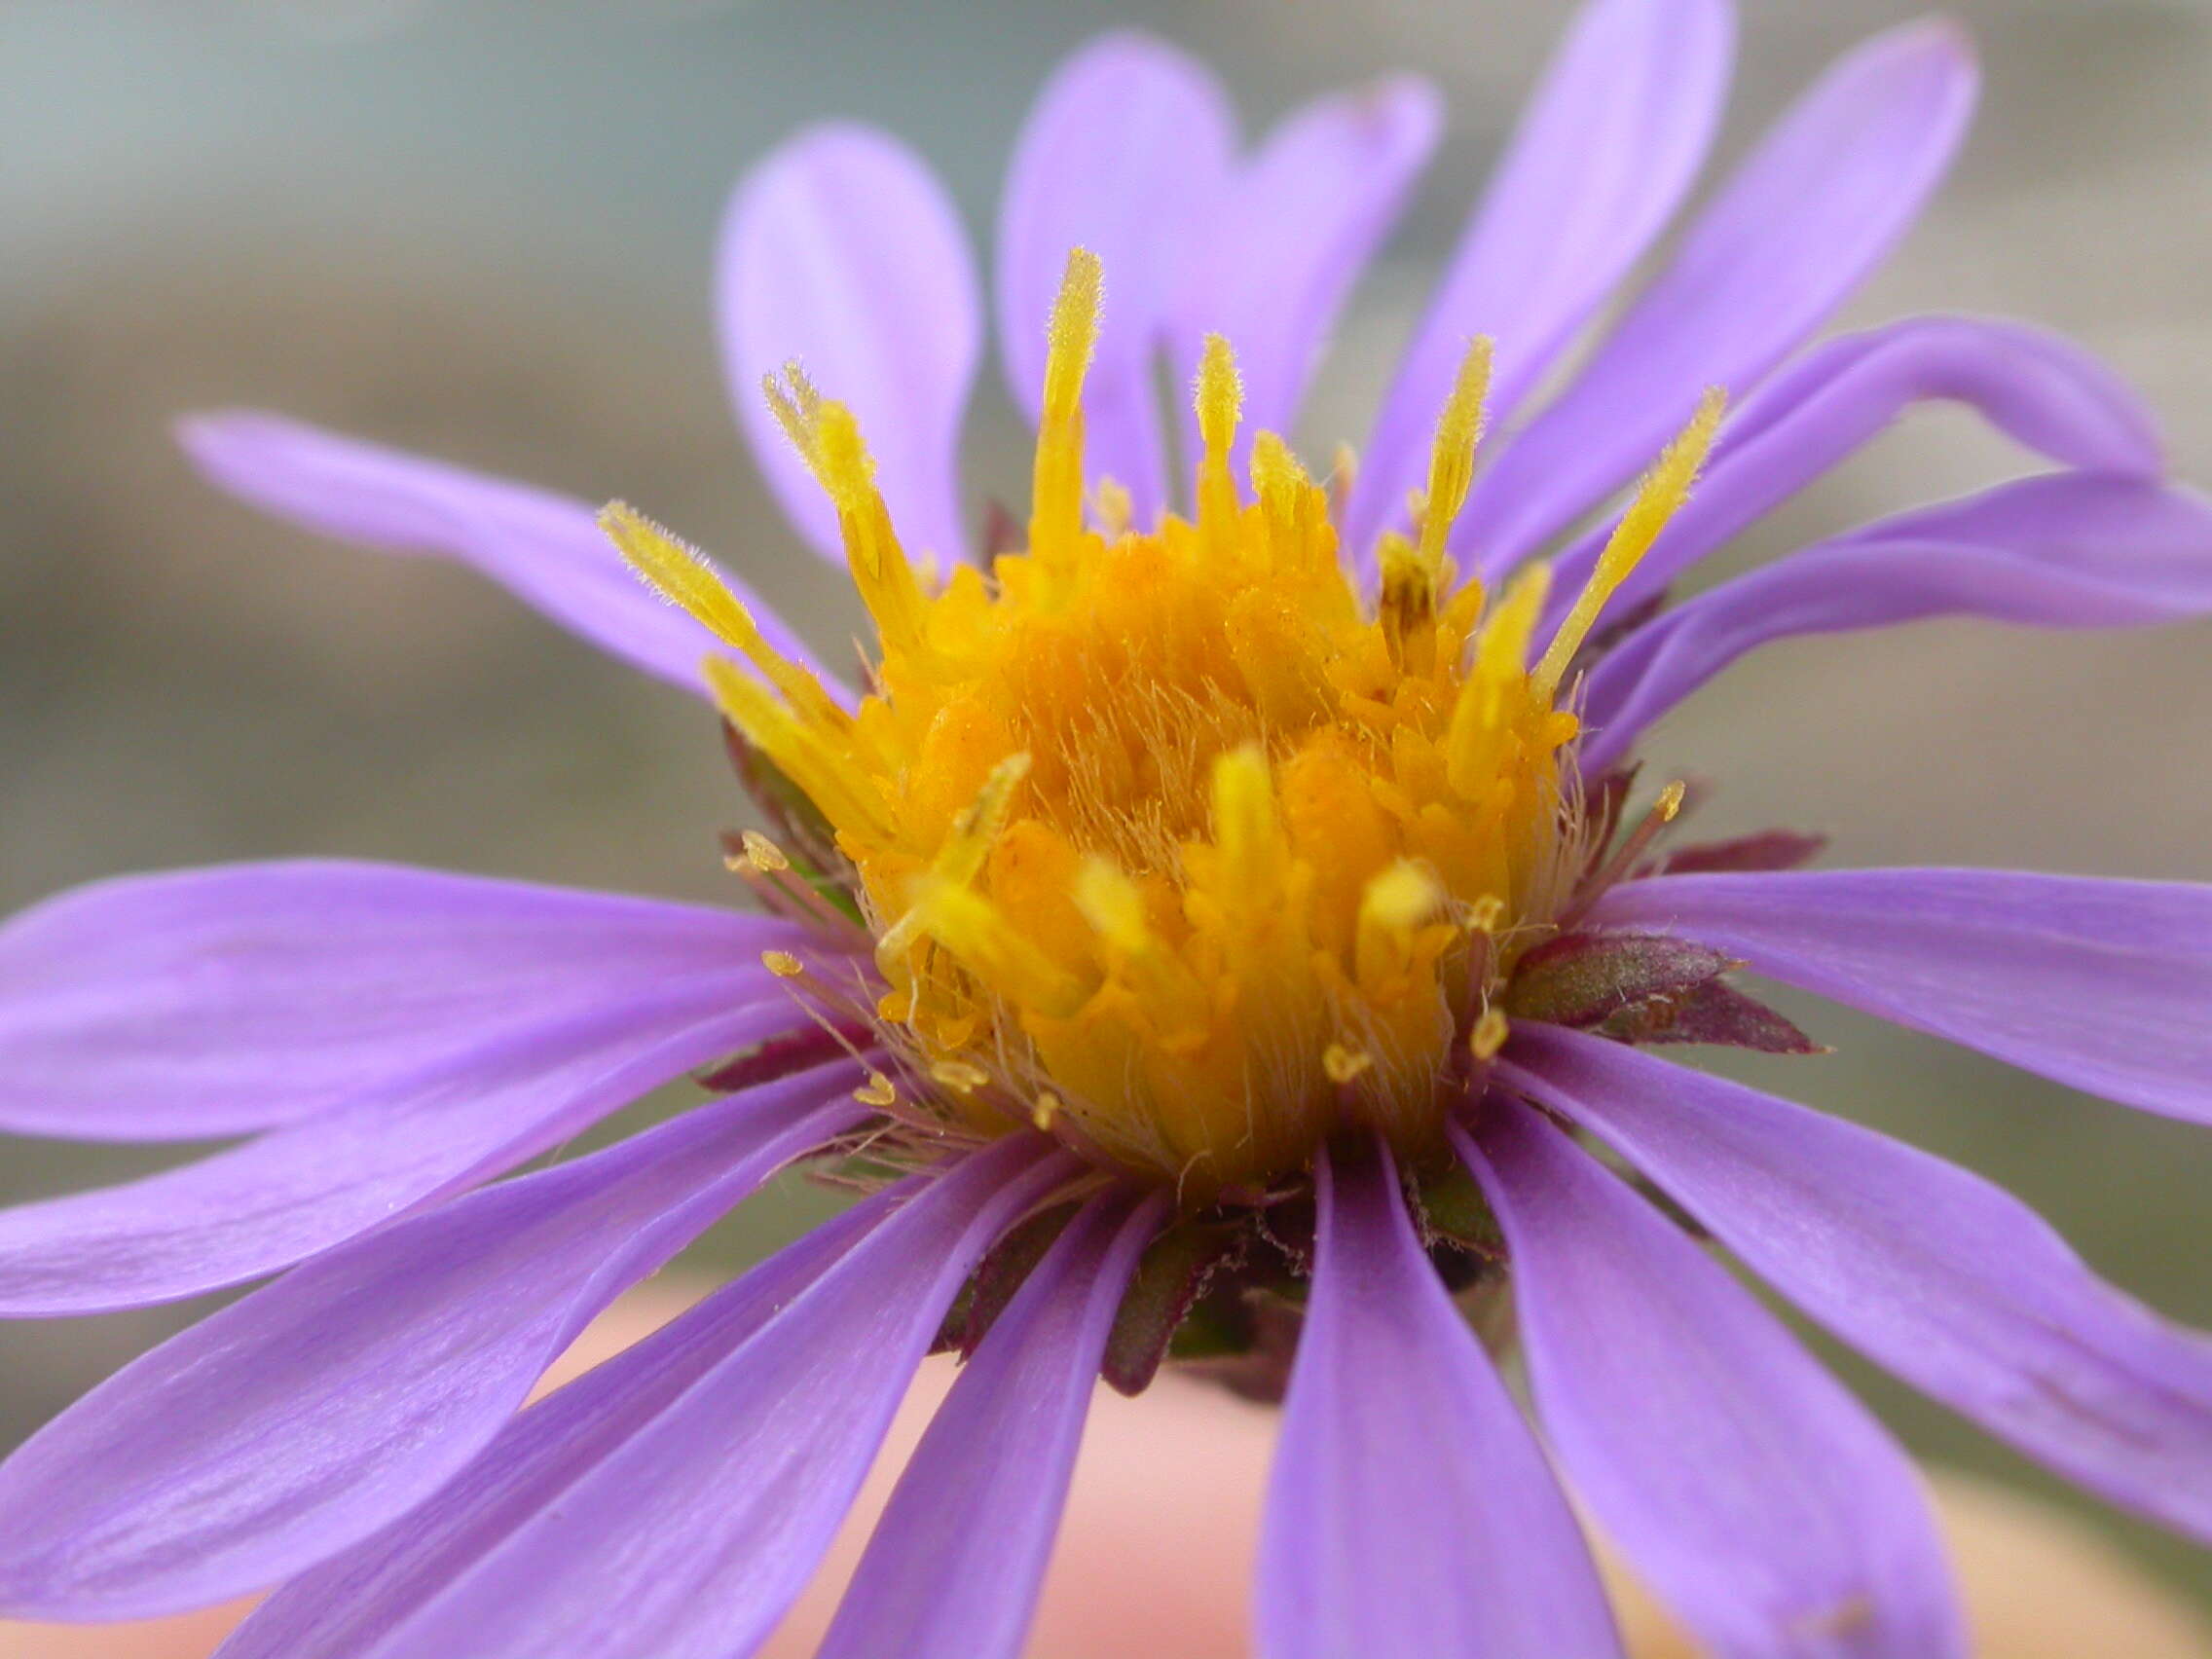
(1658, 497)
(783, 964)
(1219, 397)
(682, 574)
(1452, 458)
(1056, 501)
(763, 853)
(1169, 840)
(1343, 1065)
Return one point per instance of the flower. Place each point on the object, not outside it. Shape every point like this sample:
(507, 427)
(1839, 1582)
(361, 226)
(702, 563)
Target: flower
(1226, 926)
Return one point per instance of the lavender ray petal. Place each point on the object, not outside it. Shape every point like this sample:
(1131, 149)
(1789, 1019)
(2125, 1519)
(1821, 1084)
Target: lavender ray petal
(2044, 392)
(841, 251)
(253, 1208)
(2064, 550)
(545, 549)
(1126, 147)
(1927, 1270)
(1755, 1495)
(2101, 984)
(956, 1561)
(211, 1002)
(1802, 220)
(325, 1405)
(1410, 1511)
(1605, 151)
(337, 1610)
(690, 1539)
(1295, 228)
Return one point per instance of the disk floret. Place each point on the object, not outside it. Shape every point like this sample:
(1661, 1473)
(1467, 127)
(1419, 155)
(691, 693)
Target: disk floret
(1168, 839)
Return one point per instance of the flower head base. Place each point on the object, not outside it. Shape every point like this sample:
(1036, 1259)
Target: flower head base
(1167, 840)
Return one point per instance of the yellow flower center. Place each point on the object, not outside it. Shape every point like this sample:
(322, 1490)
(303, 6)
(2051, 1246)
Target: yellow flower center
(1168, 840)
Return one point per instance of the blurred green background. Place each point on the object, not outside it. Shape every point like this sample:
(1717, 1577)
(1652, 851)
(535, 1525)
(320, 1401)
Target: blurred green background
(484, 231)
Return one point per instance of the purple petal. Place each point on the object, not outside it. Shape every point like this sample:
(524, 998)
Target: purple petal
(691, 1538)
(1813, 209)
(303, 1188)
(2065, 550)
(1927, 1270)
(209, 1002)
(337, 1610)
(1128, 143)
(2101, 984)
(1410, 1511)
(2043, 392)
(1761, 1500)
(1613, 136)
(956, 1561)
(842, 250)
(546, 549)
(331, 1402)
(1295, 227)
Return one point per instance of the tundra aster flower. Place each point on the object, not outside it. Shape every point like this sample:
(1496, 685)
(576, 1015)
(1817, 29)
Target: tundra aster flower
(1223, 922)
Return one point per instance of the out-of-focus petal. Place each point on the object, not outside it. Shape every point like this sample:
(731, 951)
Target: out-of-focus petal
(544, 548)
(1410, 1511)
(2101, 984)
(1295, 228)
(956, 1561)
(339, 1609)
(211, 1002)
(841, 251)
(691, 1538)
(2041, 391)
(298, 1421)
(1127, 146)
(1757, 1496)
(1813, 209)
(2065, 550)
(1927, 1270)
(1605, 151)
(300, 1189)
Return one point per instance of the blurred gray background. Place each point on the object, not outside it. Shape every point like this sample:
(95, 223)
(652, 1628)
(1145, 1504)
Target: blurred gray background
(484, 231)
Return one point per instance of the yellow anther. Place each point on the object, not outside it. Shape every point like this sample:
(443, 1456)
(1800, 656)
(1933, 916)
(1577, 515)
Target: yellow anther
(1392, 906)
(763, 855)
(1247, 828)
(811, 758)
(959, 1076)
(1670, 801)
(1452, 458)
(1055, 511)
(878, 1091)
(1283, 488)
(1485, 914)
(682, 574)
(961, 857)
(1658, 497)
(1341, 1064)
(1001, 955)
(1113, 509)
(1112, 905)
(783, 964)
(978, 828)
(1488, 1036)
(1047, 1111)
(1073, 333)
(887, 584)
(794, 402)
(1219, 397)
